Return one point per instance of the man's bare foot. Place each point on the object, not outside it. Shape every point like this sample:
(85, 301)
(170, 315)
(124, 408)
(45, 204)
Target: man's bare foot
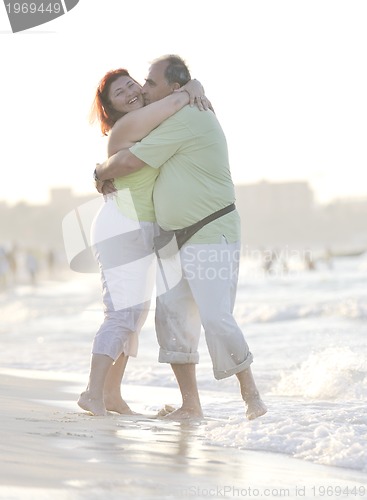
(118, 405)
(92, 405)
(165, 410)
(255, 407)
(182, 414)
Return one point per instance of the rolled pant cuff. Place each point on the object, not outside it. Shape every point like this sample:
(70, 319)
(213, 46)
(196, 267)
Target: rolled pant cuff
(236, 369)
(180, 358)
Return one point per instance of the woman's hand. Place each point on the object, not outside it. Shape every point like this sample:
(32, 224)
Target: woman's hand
(105, 187)
(196, 94)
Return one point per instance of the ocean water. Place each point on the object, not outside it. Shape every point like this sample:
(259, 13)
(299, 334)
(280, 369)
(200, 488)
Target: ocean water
(306, 329)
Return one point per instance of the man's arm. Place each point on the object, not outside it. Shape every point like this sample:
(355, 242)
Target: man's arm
(120, 164)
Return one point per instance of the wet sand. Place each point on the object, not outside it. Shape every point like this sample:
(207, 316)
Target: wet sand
(49, 448)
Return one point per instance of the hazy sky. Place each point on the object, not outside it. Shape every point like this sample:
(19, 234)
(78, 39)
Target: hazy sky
(287, 78)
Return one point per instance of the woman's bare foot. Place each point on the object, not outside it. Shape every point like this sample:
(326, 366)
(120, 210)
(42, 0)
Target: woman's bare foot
(92, 405)
(255, 407)
(118, 405)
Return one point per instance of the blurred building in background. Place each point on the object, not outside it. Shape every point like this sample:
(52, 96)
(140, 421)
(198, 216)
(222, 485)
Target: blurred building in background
(279, 214)
(273, 215)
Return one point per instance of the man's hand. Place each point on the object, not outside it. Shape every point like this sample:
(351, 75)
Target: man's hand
(197, 95)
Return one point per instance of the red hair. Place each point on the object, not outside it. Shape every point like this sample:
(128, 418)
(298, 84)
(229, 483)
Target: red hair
(102, 110)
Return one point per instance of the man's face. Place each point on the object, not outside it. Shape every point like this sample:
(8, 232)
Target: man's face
(156, 86)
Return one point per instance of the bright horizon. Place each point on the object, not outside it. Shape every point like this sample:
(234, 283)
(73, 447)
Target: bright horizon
(287, 80)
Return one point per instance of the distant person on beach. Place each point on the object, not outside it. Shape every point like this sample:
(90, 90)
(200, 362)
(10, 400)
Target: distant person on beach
(309, 261)
(51, 262)
(4, 268)
(13, 263)
(120, 110)
(189, 150)
(32, 266)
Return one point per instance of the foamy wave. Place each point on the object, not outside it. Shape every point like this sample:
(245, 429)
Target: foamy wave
(332, 434)
(336, 372)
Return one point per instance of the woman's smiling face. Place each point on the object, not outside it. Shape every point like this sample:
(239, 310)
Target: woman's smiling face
(125, 94)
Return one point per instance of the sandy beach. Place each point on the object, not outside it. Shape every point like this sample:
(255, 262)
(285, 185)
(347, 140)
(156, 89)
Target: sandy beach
(52, 449)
